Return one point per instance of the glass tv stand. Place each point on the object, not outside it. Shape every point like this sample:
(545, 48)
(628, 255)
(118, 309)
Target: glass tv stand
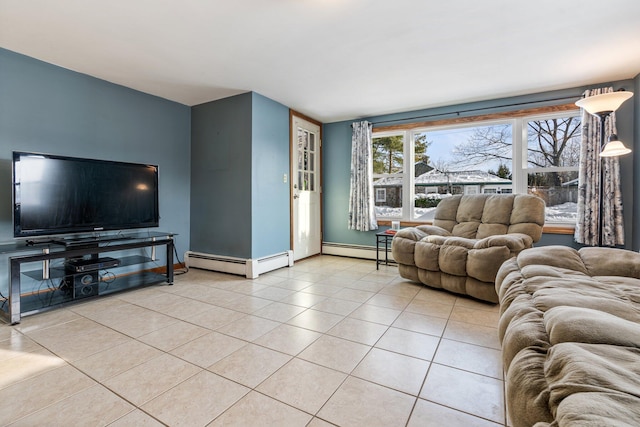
(62, 271)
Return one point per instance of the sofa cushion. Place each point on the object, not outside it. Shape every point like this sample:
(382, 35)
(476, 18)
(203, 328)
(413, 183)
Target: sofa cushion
(470, 209)
(496, 216)
(483, 264)
(621, 265)
(571, 339)
(525, 216)
(586, 325)
(445, 215)
(453, 256)
(578, 371)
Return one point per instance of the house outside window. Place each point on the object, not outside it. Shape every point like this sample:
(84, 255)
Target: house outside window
(388, 165)
(535, 154)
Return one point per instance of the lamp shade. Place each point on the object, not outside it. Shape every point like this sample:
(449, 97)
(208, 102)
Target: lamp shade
(614, 148)
(604, 103)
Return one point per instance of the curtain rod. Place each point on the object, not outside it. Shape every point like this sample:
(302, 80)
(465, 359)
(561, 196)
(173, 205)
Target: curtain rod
(471, 110)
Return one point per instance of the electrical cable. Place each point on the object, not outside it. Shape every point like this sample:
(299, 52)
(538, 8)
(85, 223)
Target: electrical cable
(182, 270)
(107, 277)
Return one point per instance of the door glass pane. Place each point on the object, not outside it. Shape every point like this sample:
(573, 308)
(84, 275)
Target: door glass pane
(312, 181)
(306, 160)
(301, 137)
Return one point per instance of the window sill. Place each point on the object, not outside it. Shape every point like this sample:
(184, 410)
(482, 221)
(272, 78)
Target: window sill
(547, 229)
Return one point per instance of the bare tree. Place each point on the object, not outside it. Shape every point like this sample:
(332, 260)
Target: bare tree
(486, 144)
(551, 142)
(444, 167)
(441, 165)
(554, 142)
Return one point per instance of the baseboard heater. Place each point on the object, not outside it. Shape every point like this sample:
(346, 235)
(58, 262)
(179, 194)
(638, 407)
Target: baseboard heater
(352, 251)
(250, 268)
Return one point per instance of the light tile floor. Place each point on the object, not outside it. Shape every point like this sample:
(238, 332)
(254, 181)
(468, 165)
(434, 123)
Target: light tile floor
(330, 341)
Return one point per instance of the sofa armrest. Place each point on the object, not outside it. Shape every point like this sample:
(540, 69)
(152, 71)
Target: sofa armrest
(516, 242)
(611, 262)
(404, 243)
(489, 253)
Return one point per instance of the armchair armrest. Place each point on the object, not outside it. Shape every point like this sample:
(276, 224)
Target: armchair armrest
(404, 243)
(491, 252)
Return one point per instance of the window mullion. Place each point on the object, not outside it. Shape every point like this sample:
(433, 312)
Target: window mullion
(409, 180)
(519, 138)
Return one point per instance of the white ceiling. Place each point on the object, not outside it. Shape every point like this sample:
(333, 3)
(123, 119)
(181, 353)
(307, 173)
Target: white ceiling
(333, 59)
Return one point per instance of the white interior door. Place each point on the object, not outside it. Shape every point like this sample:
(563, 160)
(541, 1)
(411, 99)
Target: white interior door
(305, 188)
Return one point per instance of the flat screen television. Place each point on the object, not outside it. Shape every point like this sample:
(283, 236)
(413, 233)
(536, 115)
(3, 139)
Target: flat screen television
(62, 195)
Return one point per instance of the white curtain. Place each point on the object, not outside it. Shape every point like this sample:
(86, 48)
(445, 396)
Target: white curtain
(362, 214)
(586, 231)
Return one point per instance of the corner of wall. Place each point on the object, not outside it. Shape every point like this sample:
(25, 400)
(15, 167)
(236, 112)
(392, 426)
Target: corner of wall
(636, 164)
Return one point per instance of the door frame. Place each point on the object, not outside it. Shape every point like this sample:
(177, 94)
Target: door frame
(292, 114)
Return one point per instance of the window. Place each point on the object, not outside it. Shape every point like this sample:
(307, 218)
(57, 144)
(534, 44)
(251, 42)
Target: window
(553, 156)
(458, 160)
(388, 166)
(473, 189)
(531, 154)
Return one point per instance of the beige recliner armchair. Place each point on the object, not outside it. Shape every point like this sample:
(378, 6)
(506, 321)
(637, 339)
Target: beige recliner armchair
(470, 238)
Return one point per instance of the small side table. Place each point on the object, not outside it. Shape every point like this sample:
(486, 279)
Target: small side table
(383, 240)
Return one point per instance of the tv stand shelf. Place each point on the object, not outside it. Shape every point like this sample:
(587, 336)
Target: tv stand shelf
(60, 272)
(61, 286)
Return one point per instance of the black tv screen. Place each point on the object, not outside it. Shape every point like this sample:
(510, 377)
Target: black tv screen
(58, 195)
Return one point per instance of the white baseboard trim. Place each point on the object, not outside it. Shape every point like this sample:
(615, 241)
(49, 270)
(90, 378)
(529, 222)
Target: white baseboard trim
(353, 251)
(250, 268)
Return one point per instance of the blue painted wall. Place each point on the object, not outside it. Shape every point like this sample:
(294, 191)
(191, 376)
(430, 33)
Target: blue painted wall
(270, 162)
(240, 152)
(221, 161)
(337, 157)
(45, 108)
(336, 176)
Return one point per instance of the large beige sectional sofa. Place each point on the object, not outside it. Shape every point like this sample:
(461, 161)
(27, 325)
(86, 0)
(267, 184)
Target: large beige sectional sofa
(570, 332)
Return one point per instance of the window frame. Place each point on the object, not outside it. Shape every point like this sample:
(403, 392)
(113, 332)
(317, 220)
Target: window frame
(519, 161)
